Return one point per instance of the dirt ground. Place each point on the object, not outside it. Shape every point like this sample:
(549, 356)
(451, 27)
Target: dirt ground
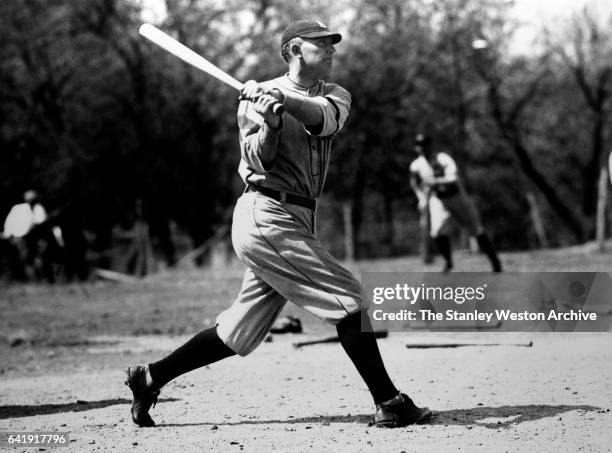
(65, 349)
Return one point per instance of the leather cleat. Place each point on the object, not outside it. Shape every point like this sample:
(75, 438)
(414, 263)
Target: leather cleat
(143, 398)
(400, 411)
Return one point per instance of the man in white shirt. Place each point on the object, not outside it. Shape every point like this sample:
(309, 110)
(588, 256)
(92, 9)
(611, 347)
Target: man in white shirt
(24, 216)
(18, 228)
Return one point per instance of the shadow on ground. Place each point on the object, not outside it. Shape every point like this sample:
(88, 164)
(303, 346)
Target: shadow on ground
(504, 416)
(47, 409)
(488, 417)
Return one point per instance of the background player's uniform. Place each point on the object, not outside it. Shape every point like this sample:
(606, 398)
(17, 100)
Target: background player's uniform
(275, 239)
(446, 201)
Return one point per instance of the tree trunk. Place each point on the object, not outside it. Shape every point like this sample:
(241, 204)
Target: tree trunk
(536, 218)
(602, 203)
(349, 237)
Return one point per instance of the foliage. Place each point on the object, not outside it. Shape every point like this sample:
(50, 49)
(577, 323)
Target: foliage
(92, 114)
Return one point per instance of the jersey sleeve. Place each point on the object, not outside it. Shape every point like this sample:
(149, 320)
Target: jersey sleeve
(256, 137)
(335, 106)
(448, 165)
(414, 166)
(414, 172)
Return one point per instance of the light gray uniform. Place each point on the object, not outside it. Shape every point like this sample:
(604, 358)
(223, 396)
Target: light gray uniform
(276, 240)
(446, 201)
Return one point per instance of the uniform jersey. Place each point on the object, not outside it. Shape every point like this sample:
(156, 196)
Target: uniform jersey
(303, 155)
(441, 165)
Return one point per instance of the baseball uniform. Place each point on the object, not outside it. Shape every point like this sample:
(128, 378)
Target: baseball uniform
(273, 229)
(284, 161)
(448, 200)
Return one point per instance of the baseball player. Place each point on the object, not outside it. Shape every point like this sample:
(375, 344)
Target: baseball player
(284, 160)
(434, 179)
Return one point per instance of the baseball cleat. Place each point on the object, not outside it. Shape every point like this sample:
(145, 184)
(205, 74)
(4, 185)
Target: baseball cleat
(400, 411)
(143, 398)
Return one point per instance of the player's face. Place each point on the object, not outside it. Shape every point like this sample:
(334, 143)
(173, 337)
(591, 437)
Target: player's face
(317, 54)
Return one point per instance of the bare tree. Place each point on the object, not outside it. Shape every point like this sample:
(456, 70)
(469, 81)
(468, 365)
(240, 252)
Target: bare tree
(509, 99)
(588, 56)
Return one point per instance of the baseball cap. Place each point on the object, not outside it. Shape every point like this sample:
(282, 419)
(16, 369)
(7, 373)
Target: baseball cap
(308, 29)
(30, 196)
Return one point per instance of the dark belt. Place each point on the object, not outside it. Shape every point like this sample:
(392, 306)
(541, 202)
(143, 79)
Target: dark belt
(446, 190)
(284, 197)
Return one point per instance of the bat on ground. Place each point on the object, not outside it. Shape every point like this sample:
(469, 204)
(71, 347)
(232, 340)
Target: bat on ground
(460, 345)
(335, 339)
(168, 43)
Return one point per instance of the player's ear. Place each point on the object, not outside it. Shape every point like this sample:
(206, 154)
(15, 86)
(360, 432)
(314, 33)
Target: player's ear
(296, 50)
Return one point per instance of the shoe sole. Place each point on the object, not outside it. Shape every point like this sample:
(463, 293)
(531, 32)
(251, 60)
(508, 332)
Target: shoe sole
(424, 418)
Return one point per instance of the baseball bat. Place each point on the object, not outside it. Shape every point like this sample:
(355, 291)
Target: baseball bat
(168, 43)
(335, 339)
(461, 345)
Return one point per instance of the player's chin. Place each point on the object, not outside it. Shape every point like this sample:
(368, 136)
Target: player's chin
(326, 70)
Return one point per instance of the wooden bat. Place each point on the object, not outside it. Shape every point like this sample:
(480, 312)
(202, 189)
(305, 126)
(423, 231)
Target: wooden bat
(335, 339)
(460, 345)
(168, 43)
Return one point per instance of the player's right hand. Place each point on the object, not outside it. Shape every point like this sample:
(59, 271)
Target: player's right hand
(264, 105)
(253, 90)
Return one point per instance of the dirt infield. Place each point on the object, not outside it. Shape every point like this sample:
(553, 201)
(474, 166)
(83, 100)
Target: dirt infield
(65, 350)
(555, 396)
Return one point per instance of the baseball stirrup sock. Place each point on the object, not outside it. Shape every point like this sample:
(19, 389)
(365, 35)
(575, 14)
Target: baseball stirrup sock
(486, 247)
(444, 247)
(203, 349)
(362, 349)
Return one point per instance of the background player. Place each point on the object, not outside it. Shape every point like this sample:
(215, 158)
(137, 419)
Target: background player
(436, 183)
(284, 160)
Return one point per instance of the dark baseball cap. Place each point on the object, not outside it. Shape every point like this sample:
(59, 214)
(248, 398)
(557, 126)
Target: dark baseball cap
(308, 29)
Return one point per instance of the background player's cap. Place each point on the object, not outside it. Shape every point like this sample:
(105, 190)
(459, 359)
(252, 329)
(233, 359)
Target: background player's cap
(30, 195)
(308, 29)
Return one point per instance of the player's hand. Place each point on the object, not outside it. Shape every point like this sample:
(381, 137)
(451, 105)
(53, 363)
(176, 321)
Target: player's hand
(251, 90)
(264, 105)
(277, 94)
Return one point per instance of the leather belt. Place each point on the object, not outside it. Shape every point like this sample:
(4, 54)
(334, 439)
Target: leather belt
(284, 197)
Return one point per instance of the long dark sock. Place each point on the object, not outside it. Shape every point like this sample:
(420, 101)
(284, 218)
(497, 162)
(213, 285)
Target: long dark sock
(362, 349)
(444, 247)
(486, 247)
(203, 349)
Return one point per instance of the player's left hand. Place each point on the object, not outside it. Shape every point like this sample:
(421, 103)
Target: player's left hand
(251, 90)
